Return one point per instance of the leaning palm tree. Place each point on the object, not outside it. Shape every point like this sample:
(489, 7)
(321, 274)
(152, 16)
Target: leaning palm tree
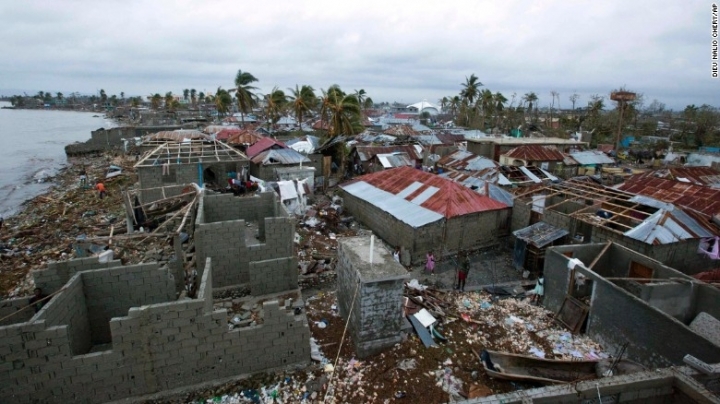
(343, 111)
(275, 104)
(302, 100)
(223, 100)
(246, 100)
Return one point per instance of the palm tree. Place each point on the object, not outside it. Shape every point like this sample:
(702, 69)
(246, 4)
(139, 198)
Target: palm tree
(186, 94)
(122, 96)
(168, 99)
(59, 97)
(368, 103)
(275, 104)
(471, 89)
(303, 100)
(201, 96)
(135, 101)
(487, 104)
(103, 97)
(455, 103)
(343, 111)
(531, 99)
(223, 100)
(193, 96)
(444, 101)
(155, 101)
(246, 100)
(499, 100)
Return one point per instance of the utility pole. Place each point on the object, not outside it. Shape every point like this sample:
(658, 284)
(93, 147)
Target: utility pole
(622, 98)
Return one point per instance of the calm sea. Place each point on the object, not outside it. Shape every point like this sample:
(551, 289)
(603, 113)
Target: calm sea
(33, 149)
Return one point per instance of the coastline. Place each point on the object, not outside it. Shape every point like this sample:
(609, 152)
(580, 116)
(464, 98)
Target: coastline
(44, 227)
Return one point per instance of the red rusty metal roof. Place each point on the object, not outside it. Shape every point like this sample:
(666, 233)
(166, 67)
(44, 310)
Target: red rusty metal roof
(450, 199)
(695, 175)
(401, 130)
(696, 197)
(246, 136)
(533, 152)
(262, 145)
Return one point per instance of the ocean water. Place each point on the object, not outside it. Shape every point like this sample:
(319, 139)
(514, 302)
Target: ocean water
(33, 149)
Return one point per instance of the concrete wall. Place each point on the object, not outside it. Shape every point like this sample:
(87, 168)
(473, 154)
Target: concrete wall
(221, 234)
(112, 292)
(59, 273)
(467, 232)
(13, 310)
(297, 173)
(155, 347)
(370, 295)
(109, 139)
(151, 177)
(617, 316)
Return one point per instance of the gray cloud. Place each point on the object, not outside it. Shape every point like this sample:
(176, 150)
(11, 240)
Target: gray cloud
(404, 51)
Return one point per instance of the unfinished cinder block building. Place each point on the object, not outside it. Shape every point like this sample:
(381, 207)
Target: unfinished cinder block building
(119, 332)
(617, 296)
(250, 241)
(197, 162)
(369, 276)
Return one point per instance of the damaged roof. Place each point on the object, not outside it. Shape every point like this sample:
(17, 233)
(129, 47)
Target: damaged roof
(668, 226)
(367, 152)
(481, 186)
(540, 234)
(464, 160)
(264, 144)
(392, 160)
(533, 152)
(703, 199)
(591, 157)
(418, 198)
(180, 135)
(279, 156)
(706, 176)
(401, 130)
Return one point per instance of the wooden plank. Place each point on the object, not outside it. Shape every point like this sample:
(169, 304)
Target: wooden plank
(422, 332)
(572, 314)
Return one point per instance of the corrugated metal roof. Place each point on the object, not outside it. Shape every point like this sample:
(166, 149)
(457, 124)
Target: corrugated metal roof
(696, 175)
(365, 153)
(262, 145)
(246, 136)
(210, 129)
(533, 152)
(447, 198)
(280, 156)
(401, 130)
(591, 157)
(665, 227)
(481, 186)
(392, 160)
(540, 234)
(464, 160)
(699, 198)
(403, 210)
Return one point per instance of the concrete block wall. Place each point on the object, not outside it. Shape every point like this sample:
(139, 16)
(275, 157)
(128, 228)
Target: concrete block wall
(155, 347)
(13, 310)
(180, 174)
(112, 292)
(520, 215)
(220, 234)
(59, 272)
(370, 295)
(297, 173)
(655, 338)
(224, 243)
(474, 230)
(69, 309)
(273, 276)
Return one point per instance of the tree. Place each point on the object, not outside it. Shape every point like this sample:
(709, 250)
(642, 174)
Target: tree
(201, 96)
(368, 103)
(135, 101)
(499, 100)
(554, 94)
(193, 96)
(455, 103)
(122, 96)
(275, 104)
(487, 105)
(186, 94)
(169, 99)
(246, 100)
(302, 100)
(59, 97)
(531, 100)
(223, 100)
(342, 111)
(103, 97)
(573, 99)
(155, 101)
(471, 88)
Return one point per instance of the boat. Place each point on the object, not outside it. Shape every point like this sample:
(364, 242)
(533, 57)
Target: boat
(515, 367)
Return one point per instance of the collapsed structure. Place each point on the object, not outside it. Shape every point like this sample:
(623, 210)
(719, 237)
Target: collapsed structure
(111, 331)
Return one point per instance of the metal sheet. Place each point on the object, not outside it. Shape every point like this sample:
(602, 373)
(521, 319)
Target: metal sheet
(425, 195)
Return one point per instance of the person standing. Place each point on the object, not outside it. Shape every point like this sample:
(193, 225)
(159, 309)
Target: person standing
(396, 254)
(38, 300)
(430, 262)
(539, 291)
(100, 187)
(463, 273)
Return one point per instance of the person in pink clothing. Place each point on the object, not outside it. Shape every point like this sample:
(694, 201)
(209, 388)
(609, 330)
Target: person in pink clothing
(430, 262)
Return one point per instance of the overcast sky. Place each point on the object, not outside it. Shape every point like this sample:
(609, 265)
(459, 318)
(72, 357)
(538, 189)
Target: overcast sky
(395, 50)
